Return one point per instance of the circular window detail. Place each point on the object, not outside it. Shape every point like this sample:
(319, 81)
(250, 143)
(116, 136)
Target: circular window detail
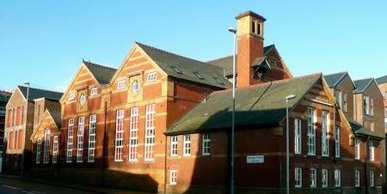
(135, 86)
(82, 99)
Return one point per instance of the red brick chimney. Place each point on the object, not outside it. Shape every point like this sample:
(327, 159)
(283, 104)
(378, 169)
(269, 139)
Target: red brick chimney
(250, 46)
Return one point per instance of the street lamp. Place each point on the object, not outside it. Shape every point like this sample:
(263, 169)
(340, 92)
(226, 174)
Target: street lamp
(25, 129)
(287, 98)
(233, 30)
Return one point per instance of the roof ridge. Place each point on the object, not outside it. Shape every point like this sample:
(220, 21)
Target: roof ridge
(48, 90)
(371, 78)
(272, 82)
(99, 65)
(220, 58)
(151, 47)
(336, 73)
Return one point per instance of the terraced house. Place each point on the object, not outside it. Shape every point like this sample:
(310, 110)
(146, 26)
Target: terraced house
(161, 123)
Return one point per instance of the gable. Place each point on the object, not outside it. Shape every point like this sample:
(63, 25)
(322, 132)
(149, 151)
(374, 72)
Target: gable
(47, 122)
(16, 98)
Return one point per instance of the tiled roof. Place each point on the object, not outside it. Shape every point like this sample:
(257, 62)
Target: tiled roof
(382, 80)
(333, 79)
(359, 129)
(103, 74)
(35, 93)
(185, 68)
(262, 104)
(56, 115)
(226, 62)
(362, 85)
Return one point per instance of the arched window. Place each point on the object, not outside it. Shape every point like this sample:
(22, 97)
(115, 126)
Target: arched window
(46, 151)
(38, 150)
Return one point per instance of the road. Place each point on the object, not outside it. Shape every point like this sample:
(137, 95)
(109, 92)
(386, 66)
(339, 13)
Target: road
(18, 186)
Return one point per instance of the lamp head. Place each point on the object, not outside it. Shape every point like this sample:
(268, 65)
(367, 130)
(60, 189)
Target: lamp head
(232, 30)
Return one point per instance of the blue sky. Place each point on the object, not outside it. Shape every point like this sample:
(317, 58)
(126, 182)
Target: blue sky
(43, 42)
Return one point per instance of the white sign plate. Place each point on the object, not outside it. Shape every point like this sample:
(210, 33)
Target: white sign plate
(255, 159)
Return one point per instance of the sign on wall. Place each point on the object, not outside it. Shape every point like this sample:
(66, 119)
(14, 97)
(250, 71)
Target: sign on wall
(255, 159)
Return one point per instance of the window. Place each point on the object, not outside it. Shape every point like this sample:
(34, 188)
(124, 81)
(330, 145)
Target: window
(297, 136)
(177, 70)
(372, 126)
(324, 134)
(311, 132)
(80, 133)
(371, 107)
(372, 151)
(133, 134)
(256, 28)
(174, 142)
(187, 145)
(298, 177)
(357, 149)
(151, 77)
(119, 144)
(38, 150)
(199, 75)
(135, 86)
(173, 177)
(345, 102)
(72, 96)
(337, 178)
(94, 91)
(366, 105)
(46, 151)
(92, 129)
(70, 133)
(150, 132)
(324, 177)
(372, 178)
(55, 150)
(2, 111)
(206, 144)
(121, 84)
(357, 178)
(338, 96)
(337, 142)
(313, 177)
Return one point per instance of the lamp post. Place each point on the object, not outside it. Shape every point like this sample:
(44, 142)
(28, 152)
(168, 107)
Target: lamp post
(232, 185)
(287, 98)
(25, 130)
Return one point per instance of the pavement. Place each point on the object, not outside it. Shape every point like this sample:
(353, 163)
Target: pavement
(88, 188)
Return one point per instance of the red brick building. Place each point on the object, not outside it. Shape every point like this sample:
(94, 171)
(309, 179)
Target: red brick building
(160, 122)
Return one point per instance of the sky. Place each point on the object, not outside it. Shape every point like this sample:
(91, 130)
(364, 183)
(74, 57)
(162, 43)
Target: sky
(43, 42)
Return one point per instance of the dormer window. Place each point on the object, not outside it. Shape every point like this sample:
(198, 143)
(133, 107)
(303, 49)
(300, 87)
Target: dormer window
(199, 75)
(94, 91)
(121, 85)
(177, 70)
(151, 77)
(256, 28)
(72, 96)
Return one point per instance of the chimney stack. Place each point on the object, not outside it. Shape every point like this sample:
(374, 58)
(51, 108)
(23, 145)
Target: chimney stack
(250, 30)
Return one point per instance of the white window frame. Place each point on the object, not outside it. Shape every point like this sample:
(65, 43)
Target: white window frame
(345, 101)
(55, 149)
(337, 178)
(80, 138)
(46, 150)
(121, 84)
(357, 149)
(372, 178)
(371, 151)
(337, 142)
(150, 132)
(133, 134)
(313, 178)
(93, 91)
(187, 145)
(366, 105)
(324, 178)
(206, 144)
(136, 86)
(92, 136)
(325, 133)
(297, 136)
(357, 178)
(151, 77)
(339, 97)
(72, 96)
(119, 140)
(172, 177)
(38, 150)
(70, 140)
(311, 131)
(371, 106)
(297, 177)
(174, 143)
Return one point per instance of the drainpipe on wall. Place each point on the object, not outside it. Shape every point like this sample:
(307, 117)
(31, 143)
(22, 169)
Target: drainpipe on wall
(104, 147)
(165, 164)
(366, 165)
